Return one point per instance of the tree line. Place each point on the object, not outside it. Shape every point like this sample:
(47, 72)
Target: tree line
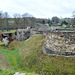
(18, 21)
(26, 19)
(57, 21)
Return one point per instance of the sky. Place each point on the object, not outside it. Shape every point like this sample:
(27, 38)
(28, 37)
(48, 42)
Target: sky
(39, 8)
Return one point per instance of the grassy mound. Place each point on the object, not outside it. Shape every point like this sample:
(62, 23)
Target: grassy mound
(3, 62)
(1, 43)
(10, 61)
(12, 57)
(33, 57)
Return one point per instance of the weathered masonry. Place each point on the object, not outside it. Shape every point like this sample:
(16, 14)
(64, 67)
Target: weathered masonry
(61, 41)
(49, 51)
(22, 34)
(9, 35)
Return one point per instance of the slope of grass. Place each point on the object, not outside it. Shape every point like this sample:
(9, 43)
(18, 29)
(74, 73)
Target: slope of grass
(3, 62)
(1, 43)
(10, 62)
(12, 56)
(33, 57)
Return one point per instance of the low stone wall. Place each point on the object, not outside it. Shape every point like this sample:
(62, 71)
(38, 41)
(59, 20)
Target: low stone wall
(65, 29)
(49, 51)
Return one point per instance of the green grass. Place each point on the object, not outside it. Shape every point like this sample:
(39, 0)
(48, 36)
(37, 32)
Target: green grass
(32, 56)
(6, 72)
(12, 56)
(28, 56)
(11, 72)
(3, 62)
(1, 43)
(13, 31)
(14, 61)
(64, 27)
(11, 21)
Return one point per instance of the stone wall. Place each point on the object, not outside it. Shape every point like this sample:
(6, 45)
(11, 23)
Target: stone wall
(49, 51)
(22, 34)
(61, 41)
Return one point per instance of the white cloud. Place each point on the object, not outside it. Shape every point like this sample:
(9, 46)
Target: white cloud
(39, 8)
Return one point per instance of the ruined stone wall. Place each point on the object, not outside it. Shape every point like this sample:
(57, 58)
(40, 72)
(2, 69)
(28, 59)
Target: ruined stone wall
(61, 41)
(22, 34)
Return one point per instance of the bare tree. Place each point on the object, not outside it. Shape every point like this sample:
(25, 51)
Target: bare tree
(73, 14)
(27, 15)
(72, 21)
(33, 22)
(6, 19)
(1, 14)
(24, 16)
(28, 20)
(17, 18)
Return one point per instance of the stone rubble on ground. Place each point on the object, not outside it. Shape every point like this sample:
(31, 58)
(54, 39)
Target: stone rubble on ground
(17, 73)
(5, 41)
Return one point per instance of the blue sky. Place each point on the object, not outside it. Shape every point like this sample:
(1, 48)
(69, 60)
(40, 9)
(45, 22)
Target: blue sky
(39, 8)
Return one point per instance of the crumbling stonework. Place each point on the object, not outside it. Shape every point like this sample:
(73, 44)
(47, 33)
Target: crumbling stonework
(5, 41)
(22, 34)
(61, 41)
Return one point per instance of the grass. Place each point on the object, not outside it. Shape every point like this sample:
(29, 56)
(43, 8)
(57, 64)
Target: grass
(6, 72)
(1, 43)
(13, 31)
(11, 21)
(11, 55)
(14, 61)
(32, 56)
(28, 56)
(11, 72)
(3, 62)
(64, 27)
